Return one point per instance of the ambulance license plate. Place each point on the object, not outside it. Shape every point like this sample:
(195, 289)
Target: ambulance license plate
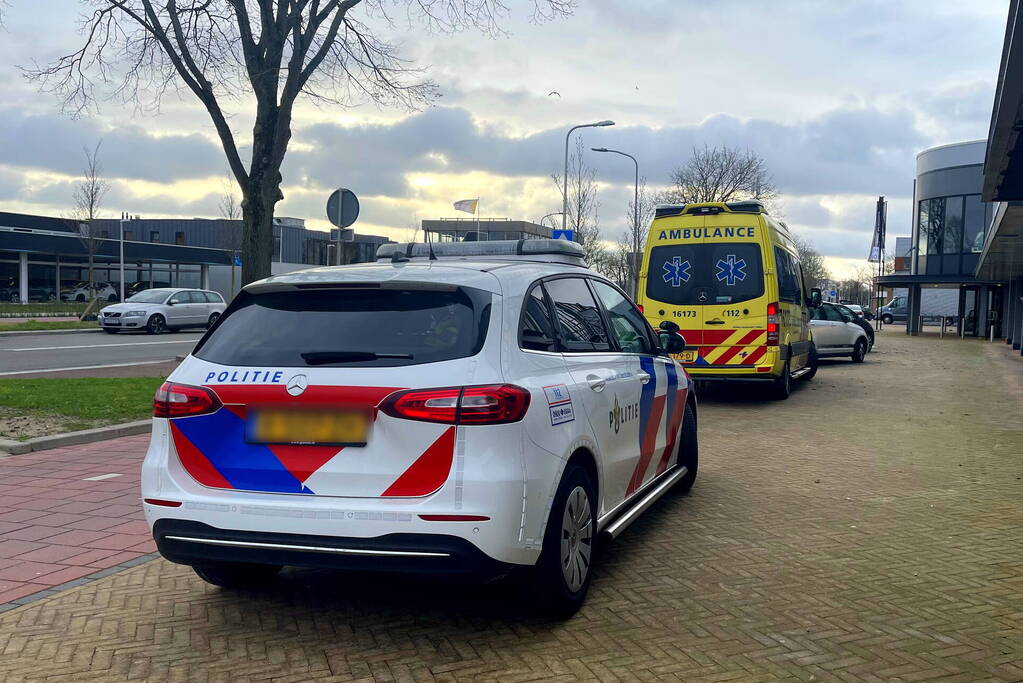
(688, 356)
(308, 427)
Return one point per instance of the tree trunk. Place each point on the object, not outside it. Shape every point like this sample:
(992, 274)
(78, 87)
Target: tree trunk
(257, 237)
(92, 285)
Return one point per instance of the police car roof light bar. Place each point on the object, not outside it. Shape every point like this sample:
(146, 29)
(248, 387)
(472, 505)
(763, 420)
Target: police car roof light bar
(561, 251)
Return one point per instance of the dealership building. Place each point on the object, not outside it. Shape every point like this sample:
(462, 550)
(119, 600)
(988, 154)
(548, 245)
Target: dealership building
(43, 257)
(968, 215)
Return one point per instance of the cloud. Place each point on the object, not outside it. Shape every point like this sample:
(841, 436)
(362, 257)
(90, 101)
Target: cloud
(51, 142)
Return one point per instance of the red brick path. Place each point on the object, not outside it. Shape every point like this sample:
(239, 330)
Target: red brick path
(55, 527)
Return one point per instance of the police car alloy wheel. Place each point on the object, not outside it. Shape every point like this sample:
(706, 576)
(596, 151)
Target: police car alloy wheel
(565, 567)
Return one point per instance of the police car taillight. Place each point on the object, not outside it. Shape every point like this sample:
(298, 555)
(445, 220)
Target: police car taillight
(183, 400)
(772, 324)
(475, 405)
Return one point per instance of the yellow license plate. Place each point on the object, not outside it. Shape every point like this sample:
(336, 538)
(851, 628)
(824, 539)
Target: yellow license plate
(687, 356)
(336, 428)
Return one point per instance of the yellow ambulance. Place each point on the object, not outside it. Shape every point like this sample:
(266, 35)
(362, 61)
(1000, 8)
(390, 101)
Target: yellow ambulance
(729, 276)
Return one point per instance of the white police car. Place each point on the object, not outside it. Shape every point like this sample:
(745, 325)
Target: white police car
(492, 405)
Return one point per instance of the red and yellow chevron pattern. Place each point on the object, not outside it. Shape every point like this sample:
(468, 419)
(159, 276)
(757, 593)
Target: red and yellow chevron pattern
(726, 347)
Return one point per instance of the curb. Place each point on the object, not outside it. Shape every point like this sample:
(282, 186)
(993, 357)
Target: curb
(10, 447)
(88, 578)
(15, 333)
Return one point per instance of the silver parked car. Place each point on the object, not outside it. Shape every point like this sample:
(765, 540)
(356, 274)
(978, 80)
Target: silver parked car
(162, 309)
(835, 334)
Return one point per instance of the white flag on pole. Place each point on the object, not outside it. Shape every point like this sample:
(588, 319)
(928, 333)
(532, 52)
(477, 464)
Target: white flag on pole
(466, 205)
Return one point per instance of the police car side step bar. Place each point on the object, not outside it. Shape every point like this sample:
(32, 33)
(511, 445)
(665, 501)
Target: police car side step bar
(615, 528)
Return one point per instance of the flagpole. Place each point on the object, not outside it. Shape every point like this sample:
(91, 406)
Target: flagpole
(477, 219)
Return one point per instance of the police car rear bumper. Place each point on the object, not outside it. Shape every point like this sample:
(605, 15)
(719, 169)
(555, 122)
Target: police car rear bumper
(194, 543)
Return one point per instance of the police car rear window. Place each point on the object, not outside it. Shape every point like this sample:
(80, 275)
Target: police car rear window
(702, 274)
(349, 328)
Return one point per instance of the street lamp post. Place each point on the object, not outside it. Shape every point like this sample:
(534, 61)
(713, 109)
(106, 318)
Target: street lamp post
(121, 265)
(635, 213)
(564, 179)
(546, 216)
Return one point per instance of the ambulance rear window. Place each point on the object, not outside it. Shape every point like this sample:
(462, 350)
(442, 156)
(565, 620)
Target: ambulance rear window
(349, 327)
(702, 274)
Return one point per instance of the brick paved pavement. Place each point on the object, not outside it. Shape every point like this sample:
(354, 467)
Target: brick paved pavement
(57, 526)
(808, 550)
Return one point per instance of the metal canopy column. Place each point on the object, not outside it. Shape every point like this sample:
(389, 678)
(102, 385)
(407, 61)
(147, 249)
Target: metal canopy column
(913, 310)
(23, 277)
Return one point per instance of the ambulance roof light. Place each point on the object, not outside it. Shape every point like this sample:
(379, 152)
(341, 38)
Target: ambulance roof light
(531, 250)
(707, 208)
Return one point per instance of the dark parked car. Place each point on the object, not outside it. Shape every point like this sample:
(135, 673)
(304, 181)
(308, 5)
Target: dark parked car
(847, 311)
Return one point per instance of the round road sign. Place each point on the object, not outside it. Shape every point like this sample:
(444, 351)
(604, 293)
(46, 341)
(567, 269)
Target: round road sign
(342, 207)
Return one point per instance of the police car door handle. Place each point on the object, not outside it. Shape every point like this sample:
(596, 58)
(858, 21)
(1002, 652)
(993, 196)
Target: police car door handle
(596, 383)
(643, 377)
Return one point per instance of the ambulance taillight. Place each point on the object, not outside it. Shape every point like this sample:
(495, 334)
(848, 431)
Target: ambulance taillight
(772, 324)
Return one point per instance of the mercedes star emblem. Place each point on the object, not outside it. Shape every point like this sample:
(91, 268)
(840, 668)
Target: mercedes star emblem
(297, 384)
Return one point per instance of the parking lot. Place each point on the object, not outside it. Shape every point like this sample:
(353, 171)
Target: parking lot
(869, 528)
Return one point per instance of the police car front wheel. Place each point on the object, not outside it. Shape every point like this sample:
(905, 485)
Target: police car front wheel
(237, 575)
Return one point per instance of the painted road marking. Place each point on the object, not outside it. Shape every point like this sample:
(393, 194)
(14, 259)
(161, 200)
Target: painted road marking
(101, 346)
(86, 367)
(101, 477)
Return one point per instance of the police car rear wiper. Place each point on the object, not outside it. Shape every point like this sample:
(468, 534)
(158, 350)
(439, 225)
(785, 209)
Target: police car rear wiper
(325, 357)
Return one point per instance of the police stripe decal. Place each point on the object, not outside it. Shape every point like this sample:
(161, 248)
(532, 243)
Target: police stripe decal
(651, 407)
(220, 439)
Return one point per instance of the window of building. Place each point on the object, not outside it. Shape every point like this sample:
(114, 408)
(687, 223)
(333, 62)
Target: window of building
(935, 224)
(179, 238)
(104, 234)
(154, 235)
(129, 235)
(973, 228)
(952, 237)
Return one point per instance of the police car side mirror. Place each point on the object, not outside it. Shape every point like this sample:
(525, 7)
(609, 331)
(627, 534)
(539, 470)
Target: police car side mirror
(815, 298)
(671, 340)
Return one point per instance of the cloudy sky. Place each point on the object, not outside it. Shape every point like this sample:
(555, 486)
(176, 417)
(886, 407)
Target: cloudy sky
(838, 97)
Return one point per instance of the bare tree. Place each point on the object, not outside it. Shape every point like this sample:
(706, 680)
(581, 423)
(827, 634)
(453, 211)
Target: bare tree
(230, 208)
(229, 204)
(583, 205)
(271, 51)
(721, 174)
(88, 199)
(814, 270)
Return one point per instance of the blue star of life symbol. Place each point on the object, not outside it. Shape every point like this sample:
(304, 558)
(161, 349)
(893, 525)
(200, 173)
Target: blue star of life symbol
(731, 270)
(676, 271)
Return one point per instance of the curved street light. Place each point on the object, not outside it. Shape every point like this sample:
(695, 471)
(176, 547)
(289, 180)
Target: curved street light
(546, 216)
(564, 179)
(635, 209)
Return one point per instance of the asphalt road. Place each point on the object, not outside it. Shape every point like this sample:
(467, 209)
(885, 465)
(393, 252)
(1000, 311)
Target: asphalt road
(21, 354)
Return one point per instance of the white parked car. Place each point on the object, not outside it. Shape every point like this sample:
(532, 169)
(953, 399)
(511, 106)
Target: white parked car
(80, 292)
(834, 335)
(161, 309)
(497, 407)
